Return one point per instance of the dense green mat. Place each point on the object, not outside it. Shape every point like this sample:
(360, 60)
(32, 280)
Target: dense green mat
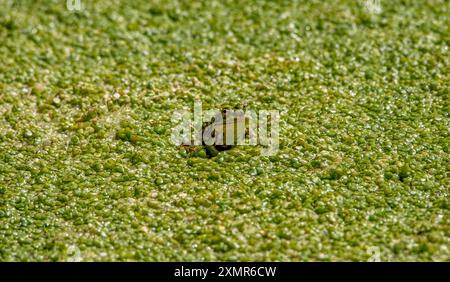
(88, 171)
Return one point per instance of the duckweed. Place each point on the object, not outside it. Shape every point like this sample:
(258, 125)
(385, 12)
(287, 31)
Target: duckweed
(87, 166)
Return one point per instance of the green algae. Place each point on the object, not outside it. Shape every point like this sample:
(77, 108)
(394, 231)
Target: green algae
(86, 161)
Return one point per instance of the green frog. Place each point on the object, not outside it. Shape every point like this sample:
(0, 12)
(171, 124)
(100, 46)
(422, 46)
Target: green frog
(217, 127)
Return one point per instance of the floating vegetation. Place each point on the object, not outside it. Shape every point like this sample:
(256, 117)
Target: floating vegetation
(88, 170)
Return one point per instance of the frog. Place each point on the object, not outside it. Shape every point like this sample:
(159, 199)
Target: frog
(219, 124)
